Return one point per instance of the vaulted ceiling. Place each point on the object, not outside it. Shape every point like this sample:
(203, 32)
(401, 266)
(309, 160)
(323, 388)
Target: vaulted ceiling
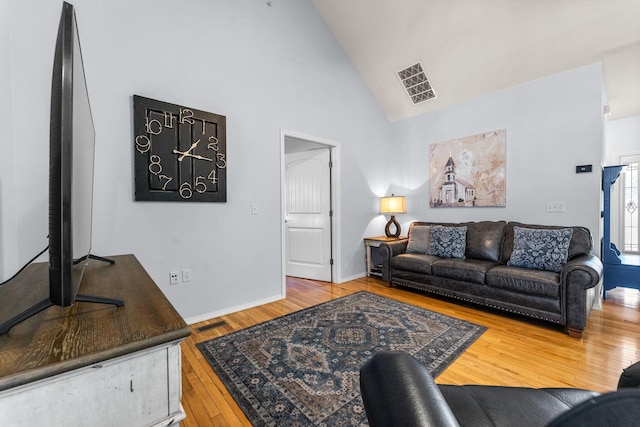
(469, 48)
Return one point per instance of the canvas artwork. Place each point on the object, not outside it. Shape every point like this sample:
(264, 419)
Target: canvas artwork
(469, 171)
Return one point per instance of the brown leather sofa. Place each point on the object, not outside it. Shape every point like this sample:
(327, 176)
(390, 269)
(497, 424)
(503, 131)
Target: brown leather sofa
(397, 390)
(484, 274)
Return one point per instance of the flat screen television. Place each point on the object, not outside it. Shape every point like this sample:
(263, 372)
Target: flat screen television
(71, 164)
(71, 161)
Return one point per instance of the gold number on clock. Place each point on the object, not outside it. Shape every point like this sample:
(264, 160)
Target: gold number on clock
(185, 190)
(222, 161)
(143, 143)
(168, 120)
(213, 143)
(200, 187)
(154, 127)
(204, 126)
(212, 176)
(168, 180)
(186, 116)
(155, 167)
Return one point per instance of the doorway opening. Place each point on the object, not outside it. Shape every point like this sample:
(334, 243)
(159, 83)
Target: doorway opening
(309, 196)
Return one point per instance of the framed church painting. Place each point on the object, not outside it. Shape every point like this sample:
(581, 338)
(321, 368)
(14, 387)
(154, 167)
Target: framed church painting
(469, 171)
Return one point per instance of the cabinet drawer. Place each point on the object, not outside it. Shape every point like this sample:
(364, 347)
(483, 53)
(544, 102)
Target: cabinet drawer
(140, 389)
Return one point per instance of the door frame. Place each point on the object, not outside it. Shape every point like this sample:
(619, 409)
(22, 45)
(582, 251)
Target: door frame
(617, 211)
(334, 148)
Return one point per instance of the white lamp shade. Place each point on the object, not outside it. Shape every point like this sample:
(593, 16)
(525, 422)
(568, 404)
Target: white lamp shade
(393, 205)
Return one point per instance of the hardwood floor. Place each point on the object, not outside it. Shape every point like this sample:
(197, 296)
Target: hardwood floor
(513, 351)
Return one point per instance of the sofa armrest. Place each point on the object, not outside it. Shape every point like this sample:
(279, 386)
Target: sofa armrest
(589, 265)
(620, 408)
(630, 377)
(388, 251)
(397, 390)
(578, 275)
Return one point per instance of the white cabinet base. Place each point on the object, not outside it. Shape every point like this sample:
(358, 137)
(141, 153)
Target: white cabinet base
(139, 389)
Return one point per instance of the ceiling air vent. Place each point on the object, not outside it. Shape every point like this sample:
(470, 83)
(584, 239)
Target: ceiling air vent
(416, 83)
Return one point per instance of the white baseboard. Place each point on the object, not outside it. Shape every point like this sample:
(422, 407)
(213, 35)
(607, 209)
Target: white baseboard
(214, 314)
(353, 277)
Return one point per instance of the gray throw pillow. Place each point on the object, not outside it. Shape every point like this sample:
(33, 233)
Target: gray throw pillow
(447, 242)
(418, 240)
(542, 249)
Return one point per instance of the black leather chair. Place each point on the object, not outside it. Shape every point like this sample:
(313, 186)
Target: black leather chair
(397, 390)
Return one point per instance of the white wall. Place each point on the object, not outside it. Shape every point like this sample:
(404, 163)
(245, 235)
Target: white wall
(7, 166)
(623, 137)
(553, 125)
(265, 68)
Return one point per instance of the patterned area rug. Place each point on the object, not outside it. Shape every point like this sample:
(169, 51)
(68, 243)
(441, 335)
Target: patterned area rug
(303, 368)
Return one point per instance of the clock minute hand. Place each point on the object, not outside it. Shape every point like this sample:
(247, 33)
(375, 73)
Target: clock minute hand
(186, 153)
(196, 156)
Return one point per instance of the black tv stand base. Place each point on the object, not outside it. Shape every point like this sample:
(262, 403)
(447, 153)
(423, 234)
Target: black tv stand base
(32, 311)
(46, 303)
(92, 256)
(98, 300)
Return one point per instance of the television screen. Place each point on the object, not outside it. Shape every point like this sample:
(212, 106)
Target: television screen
(72, 141)
(71, 161)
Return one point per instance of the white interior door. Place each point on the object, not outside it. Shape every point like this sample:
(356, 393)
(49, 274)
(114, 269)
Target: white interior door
(307, 214)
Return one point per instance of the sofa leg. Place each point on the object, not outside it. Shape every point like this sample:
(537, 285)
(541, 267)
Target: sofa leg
(574, 333)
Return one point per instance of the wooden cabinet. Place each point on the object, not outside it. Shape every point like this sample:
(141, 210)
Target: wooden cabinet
(91, 364)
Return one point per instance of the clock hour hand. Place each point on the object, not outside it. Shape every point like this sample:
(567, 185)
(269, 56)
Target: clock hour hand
(186, 154)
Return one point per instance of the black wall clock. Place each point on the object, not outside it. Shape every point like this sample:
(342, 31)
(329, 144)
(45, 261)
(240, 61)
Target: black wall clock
(180, 153)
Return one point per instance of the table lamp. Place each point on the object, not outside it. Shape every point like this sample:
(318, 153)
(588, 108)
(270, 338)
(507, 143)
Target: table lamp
(392, 205)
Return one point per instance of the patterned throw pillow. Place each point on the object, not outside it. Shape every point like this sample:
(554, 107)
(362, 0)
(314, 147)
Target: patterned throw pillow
(543, 249)
(447, 242)
(418, 240)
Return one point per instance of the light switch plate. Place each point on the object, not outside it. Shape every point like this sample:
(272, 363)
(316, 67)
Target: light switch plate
(555, 207)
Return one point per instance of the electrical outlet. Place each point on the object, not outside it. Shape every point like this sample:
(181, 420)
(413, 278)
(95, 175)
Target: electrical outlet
(173, 278)
(555, 207)
(186, 275)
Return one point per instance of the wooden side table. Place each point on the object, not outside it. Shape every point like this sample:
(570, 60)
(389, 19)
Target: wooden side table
(374, 242)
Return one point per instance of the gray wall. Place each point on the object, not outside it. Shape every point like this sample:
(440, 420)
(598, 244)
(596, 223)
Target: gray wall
(265, 68)
(553, 125)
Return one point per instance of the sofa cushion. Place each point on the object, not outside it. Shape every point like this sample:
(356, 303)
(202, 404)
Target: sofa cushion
(418, 239)
(447, 242)
(543, 249)
(484, 239)
(417, 263)
(467, 270)
(525, 280)
(581, 240)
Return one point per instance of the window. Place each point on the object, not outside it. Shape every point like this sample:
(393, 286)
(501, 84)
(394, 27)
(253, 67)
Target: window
(630, 211)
